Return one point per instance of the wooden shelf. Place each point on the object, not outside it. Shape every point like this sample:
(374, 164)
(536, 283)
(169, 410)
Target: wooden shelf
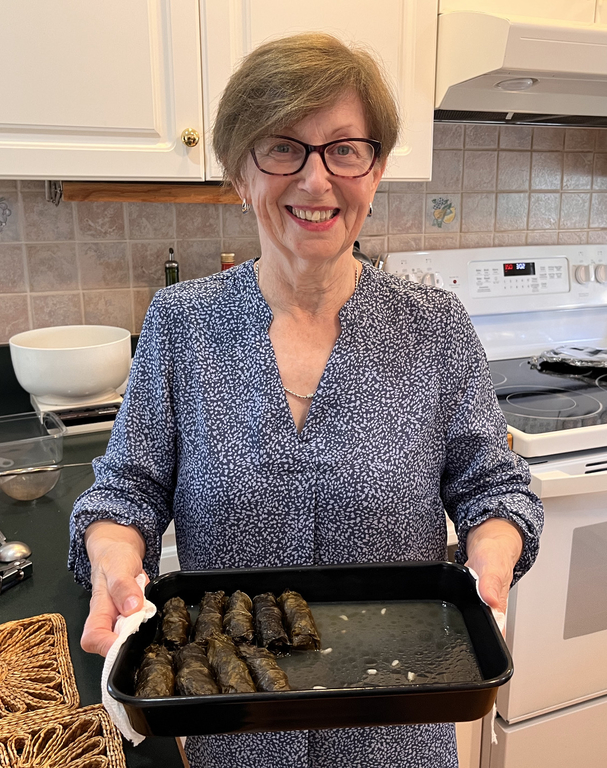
(157, 192)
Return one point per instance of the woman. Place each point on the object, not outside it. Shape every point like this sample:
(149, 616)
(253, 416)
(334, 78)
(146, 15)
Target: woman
(304, 409)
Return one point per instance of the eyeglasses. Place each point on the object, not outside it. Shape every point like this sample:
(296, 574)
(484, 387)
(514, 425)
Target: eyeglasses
(284, 156)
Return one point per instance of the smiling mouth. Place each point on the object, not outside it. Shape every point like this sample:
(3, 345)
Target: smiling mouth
(307, 215)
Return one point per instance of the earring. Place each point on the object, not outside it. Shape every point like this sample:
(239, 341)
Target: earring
(246, 207)
(370, 211)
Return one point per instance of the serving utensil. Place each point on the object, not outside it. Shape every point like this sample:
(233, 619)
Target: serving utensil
(13, 550)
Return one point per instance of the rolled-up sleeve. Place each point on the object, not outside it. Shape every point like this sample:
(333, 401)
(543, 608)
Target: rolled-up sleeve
(482, 477)
(134, 480)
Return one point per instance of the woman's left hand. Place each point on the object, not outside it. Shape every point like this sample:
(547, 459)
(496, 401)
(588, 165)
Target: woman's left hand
(494, 548)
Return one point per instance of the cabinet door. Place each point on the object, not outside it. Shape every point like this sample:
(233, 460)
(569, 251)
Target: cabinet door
(100, 90)
(401, 32)
(558, 10)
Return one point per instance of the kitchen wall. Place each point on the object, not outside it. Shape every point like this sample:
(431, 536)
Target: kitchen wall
(102, 262)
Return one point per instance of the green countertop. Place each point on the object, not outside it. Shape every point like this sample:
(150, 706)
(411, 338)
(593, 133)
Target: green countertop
(44, 525)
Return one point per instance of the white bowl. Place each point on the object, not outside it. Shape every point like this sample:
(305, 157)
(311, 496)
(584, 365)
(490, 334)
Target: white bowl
(71, 363)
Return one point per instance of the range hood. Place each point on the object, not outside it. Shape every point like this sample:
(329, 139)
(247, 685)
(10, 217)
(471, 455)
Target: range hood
(516, 69)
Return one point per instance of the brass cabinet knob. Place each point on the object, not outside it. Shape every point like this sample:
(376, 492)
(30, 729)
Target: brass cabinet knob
(190, 137)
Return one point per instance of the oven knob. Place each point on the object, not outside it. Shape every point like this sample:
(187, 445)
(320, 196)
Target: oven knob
(600, 273)
(411, 277)
(582, 274)
(432, 278)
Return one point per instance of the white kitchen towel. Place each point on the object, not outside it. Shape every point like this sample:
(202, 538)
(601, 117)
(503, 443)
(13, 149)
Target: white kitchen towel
(125, 626)
(500, 620)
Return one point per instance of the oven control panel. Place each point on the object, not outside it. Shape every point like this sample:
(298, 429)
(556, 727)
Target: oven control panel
(517, 278)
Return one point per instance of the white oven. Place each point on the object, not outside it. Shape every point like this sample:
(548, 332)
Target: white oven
(524, 301)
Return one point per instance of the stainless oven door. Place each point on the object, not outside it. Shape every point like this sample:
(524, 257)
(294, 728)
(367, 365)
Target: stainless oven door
(557, 614)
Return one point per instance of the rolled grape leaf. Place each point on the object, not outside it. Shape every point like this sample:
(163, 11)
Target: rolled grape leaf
(299, 621)
(269, 628)
(155, 676)
(210, 618)
(194, 676)
(176, 623)
(231, 672)
(266, 673)
(238, 621)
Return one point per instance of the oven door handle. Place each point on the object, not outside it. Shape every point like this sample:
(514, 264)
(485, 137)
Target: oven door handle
(557, 483)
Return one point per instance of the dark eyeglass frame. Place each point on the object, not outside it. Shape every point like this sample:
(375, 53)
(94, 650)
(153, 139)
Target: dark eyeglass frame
(321, 148)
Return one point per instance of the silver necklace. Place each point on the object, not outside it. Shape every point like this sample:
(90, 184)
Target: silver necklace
(286, 389)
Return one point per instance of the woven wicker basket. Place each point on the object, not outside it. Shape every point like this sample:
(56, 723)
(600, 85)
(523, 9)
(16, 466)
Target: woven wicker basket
(36, 673)
(83, 738)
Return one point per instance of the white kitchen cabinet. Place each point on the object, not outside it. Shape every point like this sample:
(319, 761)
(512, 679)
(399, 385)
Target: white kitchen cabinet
(401, 32)
(561, 10)
(100, 90)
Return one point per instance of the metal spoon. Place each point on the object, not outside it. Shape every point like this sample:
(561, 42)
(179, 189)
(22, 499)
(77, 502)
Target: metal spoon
(13, 550)
(48, 468)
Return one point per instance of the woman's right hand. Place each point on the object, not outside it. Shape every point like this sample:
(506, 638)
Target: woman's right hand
(116, 554)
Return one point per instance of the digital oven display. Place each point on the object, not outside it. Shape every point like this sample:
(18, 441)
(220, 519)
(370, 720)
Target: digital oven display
(519, 268)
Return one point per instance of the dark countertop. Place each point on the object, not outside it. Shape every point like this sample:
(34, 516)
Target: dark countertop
(44, 525)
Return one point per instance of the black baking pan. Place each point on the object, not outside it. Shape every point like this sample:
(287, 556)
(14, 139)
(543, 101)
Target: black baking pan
(424, 689)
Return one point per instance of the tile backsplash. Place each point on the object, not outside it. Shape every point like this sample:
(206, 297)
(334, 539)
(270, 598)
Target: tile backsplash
(102, 262)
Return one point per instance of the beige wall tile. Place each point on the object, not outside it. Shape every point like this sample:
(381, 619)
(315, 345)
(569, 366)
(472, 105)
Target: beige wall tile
(52, 267)
(8, 185)
(544, 210)
(109, 308)
(476, 240)
(478, 212)
(12, 268)
(14, 315)
(503, 239)
(441, 242)
(373, 246)
(49, 309)
(576, 237)
(242, 248)
(447, 168)
(397, 243)
(448, 136)
(405, 214)
(480, 170)
(514, 169)
(403, 186)
(515, 136)
(141, 301)
(147, 259)
(481, 136)
(575, 207)
(196, 220)
(148, 221)
(542, 238)
(44, 221)
(546, 170)
(104, 265)
(10, 218)
(598, 210)
(236, 223)
(199, 258)
(545, 137)
(601, 140)
(443, 213)
(378, 223)
(597, 236)
(600, 172)
(28, 185)
(581, 139)
(100, 221)
(577, 170)
(511, 211)
(384, 186)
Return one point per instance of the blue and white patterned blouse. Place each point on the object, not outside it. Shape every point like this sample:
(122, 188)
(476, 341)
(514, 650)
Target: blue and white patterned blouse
(404, 425)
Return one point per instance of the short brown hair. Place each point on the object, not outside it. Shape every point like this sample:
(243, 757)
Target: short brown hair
(284, 81)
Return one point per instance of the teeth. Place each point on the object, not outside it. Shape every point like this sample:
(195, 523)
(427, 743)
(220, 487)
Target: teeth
(313, 215)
